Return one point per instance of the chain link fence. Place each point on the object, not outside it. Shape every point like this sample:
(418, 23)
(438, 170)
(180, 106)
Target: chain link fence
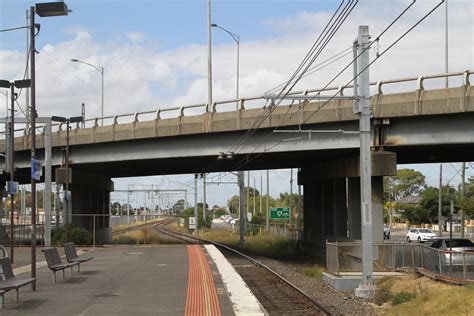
(342, 257)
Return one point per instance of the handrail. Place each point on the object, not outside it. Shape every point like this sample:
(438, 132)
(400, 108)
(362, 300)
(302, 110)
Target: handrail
(241, 101)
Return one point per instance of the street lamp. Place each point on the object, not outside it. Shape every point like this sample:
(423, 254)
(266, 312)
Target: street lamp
(236, 38)
(241, 182)
(12, 186)
(74, 119)
(101, 71)
(43, 10)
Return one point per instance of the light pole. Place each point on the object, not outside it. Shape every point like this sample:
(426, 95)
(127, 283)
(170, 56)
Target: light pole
(74, 119)
(209, 55)
(236, 38)
(43, 10)
(12, 188)
(242, 201)
(101, 71)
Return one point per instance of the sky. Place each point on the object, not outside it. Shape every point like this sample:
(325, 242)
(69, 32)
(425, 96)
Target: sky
(154, 55)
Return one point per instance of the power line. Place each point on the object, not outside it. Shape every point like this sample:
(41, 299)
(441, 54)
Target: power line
(246, 159)
(326, 36)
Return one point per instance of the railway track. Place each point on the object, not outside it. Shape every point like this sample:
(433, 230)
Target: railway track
(278, 295)
(132, 228)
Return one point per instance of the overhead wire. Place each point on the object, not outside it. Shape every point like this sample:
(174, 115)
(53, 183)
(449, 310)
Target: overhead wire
(326, 38)
(245, 160)
(284, 91)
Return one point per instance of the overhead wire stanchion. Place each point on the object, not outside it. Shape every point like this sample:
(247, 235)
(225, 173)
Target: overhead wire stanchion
(366, 288)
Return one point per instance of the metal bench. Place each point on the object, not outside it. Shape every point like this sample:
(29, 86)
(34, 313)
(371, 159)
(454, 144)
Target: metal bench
(55, 264)
(9, 282)
(71, 255)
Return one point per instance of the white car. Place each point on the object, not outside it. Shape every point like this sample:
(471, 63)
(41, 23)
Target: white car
(420, 235)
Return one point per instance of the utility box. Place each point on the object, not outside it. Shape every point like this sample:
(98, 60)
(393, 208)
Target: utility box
(60, 175)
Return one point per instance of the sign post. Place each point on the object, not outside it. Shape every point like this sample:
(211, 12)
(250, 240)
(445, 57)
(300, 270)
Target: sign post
(279, 213)
(192, 222)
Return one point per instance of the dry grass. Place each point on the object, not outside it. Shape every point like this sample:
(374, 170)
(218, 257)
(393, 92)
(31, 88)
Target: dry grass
(141, 237)
(314, 271)
(123, 226)
(432, 298)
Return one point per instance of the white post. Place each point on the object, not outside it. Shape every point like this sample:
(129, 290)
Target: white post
(47, 190)
(209, 56)
(241, 181)
(204, 198)
(268, 201)
(446, 44)
(253, 213)
(366, 288)
(291, 194)
(440, 194)
(196, 204)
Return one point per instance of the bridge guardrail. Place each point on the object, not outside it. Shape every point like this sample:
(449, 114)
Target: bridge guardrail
(240, 103)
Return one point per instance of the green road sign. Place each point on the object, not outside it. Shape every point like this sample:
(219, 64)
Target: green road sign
(279, 212)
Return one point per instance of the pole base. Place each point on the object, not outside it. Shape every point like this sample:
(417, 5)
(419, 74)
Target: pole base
(365, 291)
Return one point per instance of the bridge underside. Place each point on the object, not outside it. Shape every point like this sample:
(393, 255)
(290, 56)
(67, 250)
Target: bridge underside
(424, 139)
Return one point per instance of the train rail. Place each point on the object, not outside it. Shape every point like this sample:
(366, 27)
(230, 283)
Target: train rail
(277, 294)
(132, 228)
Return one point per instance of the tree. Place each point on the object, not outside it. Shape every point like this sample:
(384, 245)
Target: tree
(427, 211)
(116, 208)
(407, 182)
(468, 203)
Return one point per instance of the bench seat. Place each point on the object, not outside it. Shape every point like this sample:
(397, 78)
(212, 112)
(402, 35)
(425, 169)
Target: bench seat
(10, 282)
(55, 264)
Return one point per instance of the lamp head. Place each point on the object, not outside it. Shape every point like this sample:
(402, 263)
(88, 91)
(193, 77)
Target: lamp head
(20, 84)
(51, 9)
(74, 60)
(214, 25)
(76, 119)
(5, 84)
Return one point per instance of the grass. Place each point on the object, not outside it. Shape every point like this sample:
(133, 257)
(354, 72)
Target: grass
(423, 296)
(264, 244)
(138, 237)
(314, 272)
(123, 226)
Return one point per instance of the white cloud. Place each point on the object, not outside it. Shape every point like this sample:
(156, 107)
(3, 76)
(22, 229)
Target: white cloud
(139, 77)
(135, 37)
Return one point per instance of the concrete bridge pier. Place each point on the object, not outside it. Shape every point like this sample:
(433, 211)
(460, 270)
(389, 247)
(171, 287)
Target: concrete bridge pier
(90, 194)
(332, 209)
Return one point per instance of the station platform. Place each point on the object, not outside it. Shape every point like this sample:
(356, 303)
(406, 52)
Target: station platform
(127, 280)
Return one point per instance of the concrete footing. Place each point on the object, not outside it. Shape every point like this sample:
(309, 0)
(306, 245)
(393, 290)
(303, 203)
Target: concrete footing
(346, 282)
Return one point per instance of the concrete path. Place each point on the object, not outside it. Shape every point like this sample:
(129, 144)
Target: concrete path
(122, 280)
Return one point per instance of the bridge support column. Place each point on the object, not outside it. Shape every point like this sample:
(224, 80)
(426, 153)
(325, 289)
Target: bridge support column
(332, 207)
(91, 204)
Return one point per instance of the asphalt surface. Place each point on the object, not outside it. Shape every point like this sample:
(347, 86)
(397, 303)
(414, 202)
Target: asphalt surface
(121, 280)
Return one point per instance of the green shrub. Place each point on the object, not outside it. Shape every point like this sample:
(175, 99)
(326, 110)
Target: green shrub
(314, 272)
(78, 235)
(402, 297)
(383, 294)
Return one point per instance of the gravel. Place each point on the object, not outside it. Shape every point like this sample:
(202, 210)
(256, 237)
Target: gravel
(336, 302)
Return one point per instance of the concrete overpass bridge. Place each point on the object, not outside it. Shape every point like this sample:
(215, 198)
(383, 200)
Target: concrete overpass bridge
(415, 125)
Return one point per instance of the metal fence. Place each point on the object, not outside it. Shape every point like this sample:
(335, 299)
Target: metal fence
(344, 257)
(21, 234)
(133, 219)
(282, 231)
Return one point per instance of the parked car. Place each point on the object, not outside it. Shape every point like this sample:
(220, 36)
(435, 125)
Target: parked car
(420, 235)
(459, 246)
(386, 232)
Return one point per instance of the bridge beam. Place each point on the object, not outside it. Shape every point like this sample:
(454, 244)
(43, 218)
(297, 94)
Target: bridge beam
(332, 207)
